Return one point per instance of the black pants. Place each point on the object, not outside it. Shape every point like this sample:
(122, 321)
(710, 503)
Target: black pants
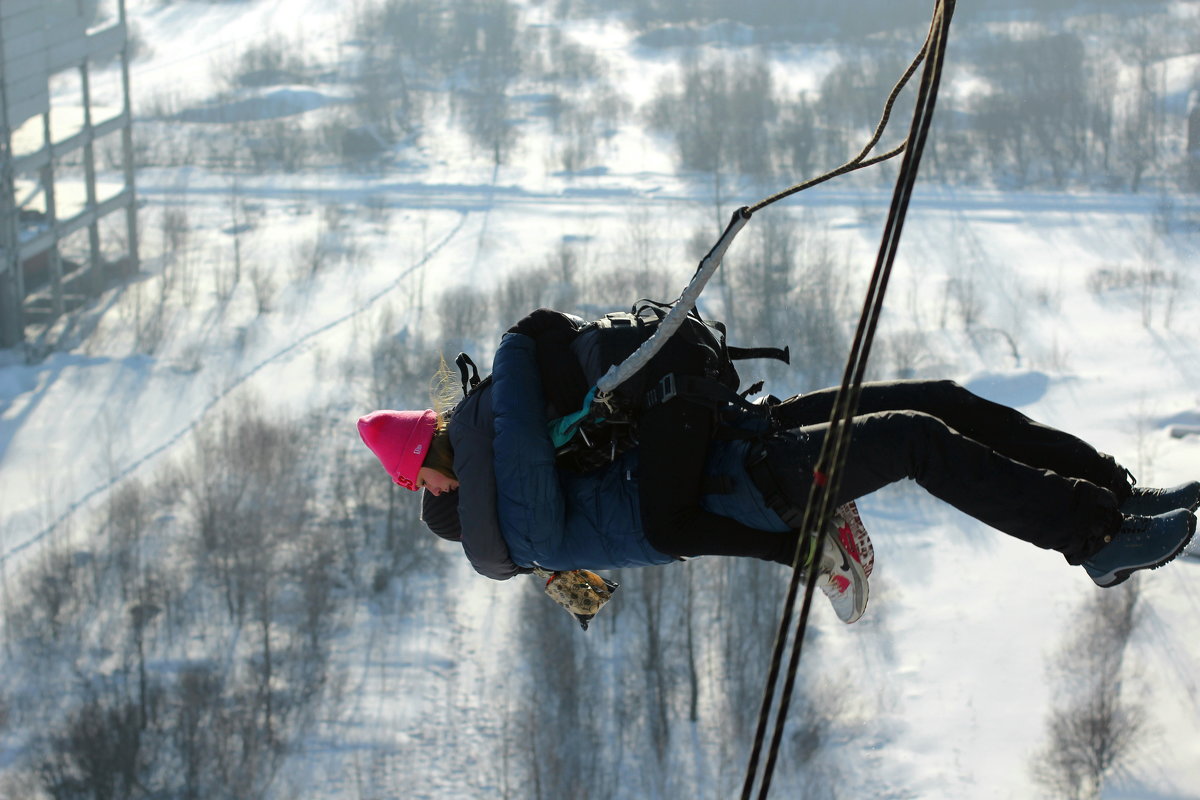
(990, 461)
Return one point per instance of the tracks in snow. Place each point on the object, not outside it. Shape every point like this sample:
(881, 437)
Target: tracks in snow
(135, 465)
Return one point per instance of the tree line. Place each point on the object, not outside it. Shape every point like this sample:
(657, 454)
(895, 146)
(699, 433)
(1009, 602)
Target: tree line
(1076, 100)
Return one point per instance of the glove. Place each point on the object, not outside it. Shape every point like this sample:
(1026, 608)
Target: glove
(581, 592)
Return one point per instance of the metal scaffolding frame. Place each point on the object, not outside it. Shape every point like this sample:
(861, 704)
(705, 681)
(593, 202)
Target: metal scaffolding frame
(40, 39)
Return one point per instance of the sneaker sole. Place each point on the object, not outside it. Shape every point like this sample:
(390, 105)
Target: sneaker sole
(1120, 576)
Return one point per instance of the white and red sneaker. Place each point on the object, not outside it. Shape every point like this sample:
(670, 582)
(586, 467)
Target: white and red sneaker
(852, 533)
(846, 561)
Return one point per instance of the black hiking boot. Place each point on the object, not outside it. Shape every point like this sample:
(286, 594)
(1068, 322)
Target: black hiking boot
(1147, 501)
(1141, 543)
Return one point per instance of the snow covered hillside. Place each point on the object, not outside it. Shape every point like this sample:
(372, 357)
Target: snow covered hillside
(211, 590)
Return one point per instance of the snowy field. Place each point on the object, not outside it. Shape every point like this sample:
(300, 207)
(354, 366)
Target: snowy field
(952, 655)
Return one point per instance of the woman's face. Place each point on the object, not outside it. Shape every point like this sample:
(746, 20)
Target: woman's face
(434, 481)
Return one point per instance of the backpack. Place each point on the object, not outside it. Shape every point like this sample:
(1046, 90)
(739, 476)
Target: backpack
(695, 364)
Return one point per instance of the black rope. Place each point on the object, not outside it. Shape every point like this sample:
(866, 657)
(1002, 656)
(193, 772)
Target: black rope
(827, 475)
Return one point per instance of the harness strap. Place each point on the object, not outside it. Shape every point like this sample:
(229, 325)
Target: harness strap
(783, 354)
(697, 389)
(764, 479)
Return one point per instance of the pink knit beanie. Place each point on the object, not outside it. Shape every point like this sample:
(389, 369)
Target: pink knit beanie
(400, 440)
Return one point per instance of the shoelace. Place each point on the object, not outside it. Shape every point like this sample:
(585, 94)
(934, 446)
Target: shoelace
(1132, 526)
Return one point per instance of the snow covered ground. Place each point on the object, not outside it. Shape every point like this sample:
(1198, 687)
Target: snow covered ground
(954, 647)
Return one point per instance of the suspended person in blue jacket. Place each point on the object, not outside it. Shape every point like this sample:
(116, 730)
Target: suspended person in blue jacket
(491, 480)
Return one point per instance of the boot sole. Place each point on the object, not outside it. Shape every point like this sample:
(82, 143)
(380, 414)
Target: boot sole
(1122, 575)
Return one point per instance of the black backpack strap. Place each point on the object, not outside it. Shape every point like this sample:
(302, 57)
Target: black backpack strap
(468, 383)
(654, 306)
(783, 354)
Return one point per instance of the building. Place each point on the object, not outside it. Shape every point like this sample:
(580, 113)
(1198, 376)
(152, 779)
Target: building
(48, 158)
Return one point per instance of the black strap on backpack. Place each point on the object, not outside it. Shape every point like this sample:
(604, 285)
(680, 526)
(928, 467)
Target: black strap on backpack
(697, 389)
(469, 383)
(783, 354)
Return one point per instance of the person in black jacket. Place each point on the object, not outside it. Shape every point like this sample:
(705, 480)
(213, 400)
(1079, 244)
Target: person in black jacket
(1023, 478)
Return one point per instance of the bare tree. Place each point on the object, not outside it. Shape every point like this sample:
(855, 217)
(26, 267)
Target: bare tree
(720, 118)
(1035, 115)
(563, 730)
(101, 751)
(1140, 121)
(823, 316)
(128, 519)
(197, 698)
(244, 491)
(797, 139)
(1095, 728)
(464, 313)
(484, 42)
(524, 289)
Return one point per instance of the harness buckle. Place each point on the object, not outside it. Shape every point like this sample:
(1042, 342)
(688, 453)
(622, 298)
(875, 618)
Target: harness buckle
(663, 391)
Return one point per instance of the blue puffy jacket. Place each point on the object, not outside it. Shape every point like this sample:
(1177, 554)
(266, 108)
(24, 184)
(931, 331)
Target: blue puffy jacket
(518, 510)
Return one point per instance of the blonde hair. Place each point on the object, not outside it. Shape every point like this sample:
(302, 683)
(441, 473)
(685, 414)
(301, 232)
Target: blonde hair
(444, 390)
(443, 394)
